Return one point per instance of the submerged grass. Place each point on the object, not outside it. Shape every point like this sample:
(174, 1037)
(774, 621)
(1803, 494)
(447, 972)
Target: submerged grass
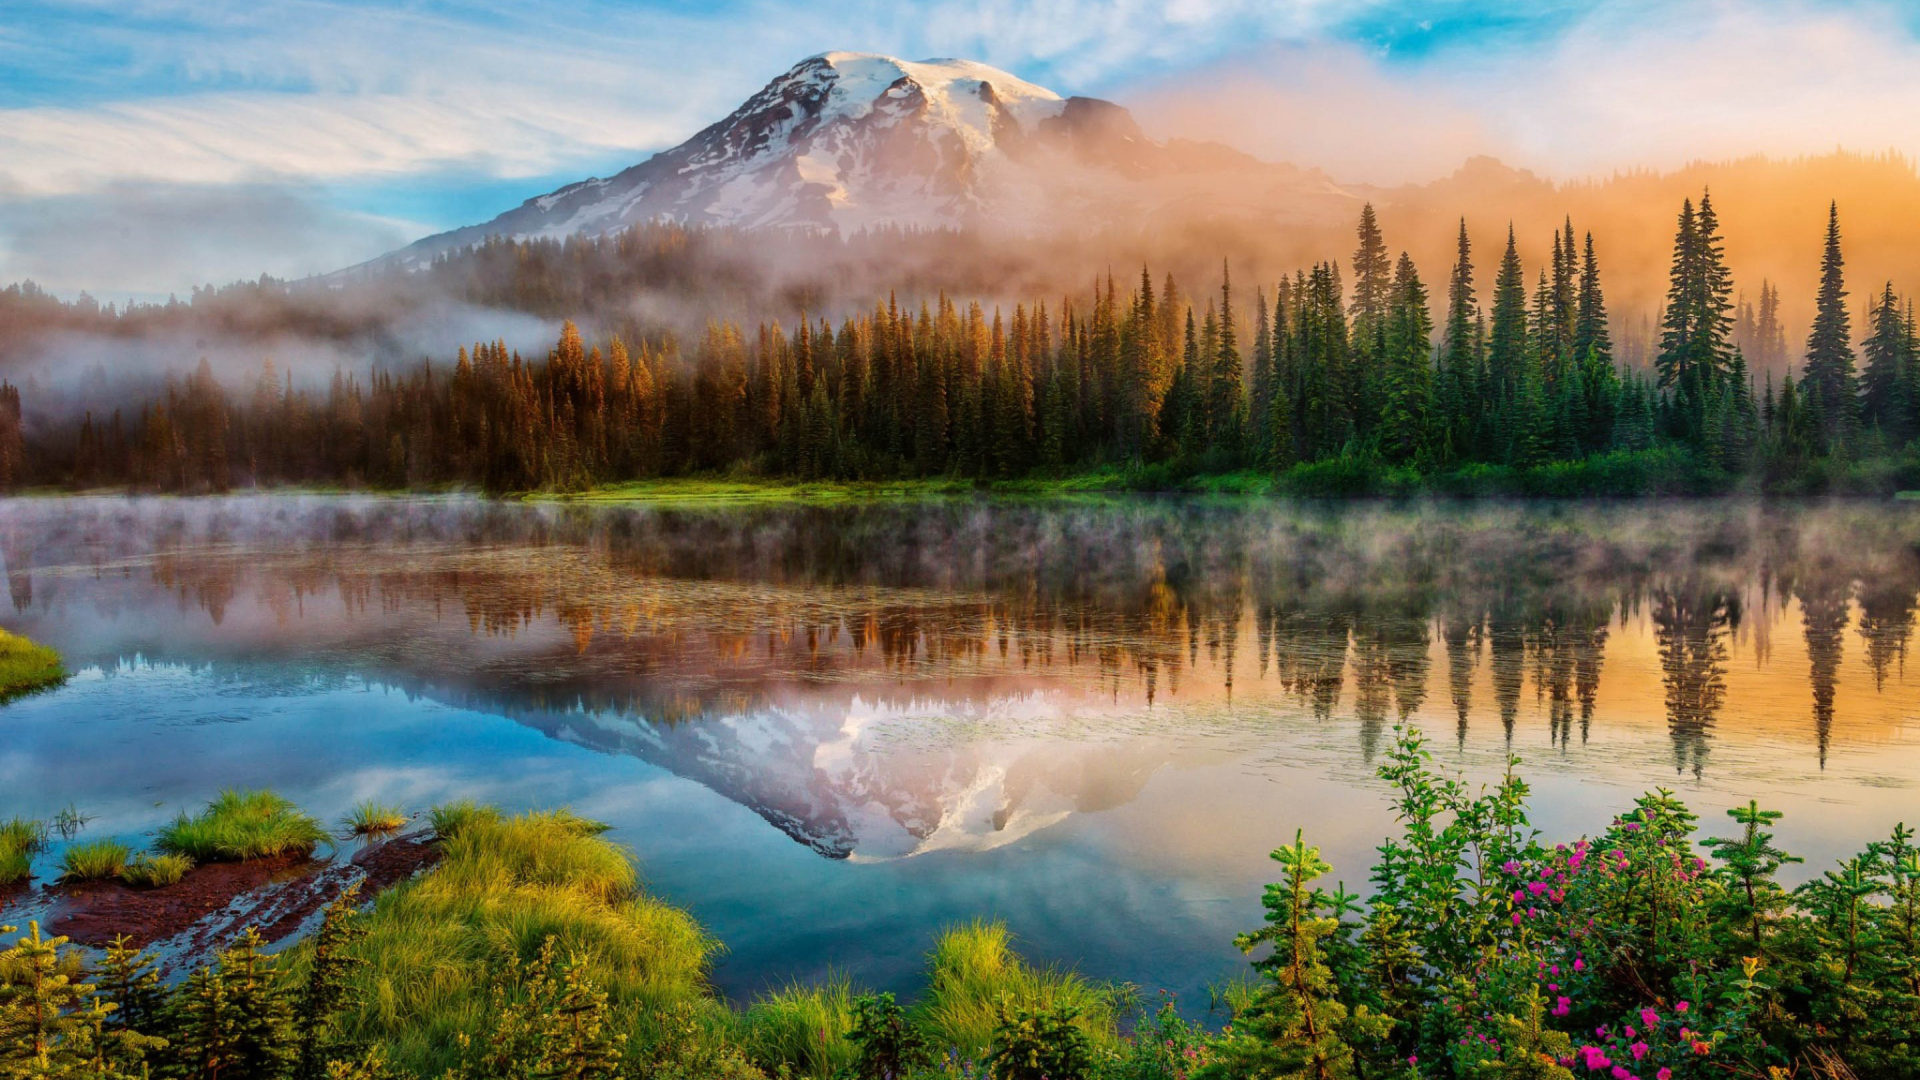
(94, 860)
(242, 825)
(373, 818)
(20, 840)
(503, 886)
(974, 975)
(145, 871)
(26, 667)
(803, 1028)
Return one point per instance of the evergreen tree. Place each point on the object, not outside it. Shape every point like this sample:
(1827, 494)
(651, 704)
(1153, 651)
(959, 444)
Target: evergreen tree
(1295, 1024)
(1407, 401)
(1458, 386)
(1884, 381)
(1828, 381)
(1227, 409)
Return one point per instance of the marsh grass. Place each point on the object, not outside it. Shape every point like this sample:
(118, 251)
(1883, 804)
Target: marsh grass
(242, 825)
(502, 887)
(27, 667)
(372, 818)
(974, 975)
(802, 1027)
(448, 819)
(94, 860)
(20, 840)
(145, 871)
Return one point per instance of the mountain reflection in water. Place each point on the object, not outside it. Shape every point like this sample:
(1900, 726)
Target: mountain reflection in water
(1092, 720)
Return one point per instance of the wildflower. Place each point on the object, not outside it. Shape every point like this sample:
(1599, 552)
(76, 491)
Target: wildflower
(1679, 1006)
(1650, 1018)
(1639, 1051)
(1664, 1074)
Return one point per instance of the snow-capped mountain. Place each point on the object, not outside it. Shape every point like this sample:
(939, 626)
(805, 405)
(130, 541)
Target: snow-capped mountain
(845, 141)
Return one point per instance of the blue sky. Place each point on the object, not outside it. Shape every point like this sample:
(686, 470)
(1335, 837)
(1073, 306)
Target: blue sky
(148, 144)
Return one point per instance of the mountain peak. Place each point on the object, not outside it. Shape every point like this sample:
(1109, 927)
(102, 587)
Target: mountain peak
(844, 141)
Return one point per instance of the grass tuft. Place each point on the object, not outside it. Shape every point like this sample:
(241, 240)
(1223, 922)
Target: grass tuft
(372, 818)
(94, 860)
(802, 1030)
(502, 886)
(450, 819)
(242, 825)
(20, 840)
(974, 972)
(145, 871)
(26, 667)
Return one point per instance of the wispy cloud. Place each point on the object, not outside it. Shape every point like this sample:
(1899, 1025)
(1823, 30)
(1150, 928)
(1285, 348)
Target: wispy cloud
(1624, 85)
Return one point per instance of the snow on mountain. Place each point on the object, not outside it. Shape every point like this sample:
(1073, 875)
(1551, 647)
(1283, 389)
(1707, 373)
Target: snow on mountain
(845, 141)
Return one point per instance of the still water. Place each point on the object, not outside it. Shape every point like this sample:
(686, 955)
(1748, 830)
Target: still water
(829, 731)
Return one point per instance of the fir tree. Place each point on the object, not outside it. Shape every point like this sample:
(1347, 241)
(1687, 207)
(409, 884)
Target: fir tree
(1828, 380)
(1884, 381)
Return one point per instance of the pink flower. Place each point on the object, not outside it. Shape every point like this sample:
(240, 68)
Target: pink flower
(1581, 965)
(1680, 1006)
(1650, 1018)
(1639, 1050)
(1664, 1074)
(1620, 1073)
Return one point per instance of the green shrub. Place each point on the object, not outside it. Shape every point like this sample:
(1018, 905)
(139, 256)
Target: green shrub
(887, 1044)
(153, 871)
(372, 818)
(1042, 1044)
(94, 860)
(242, 825)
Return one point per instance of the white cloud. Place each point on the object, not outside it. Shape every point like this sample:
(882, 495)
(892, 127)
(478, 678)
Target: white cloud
(1621, 88)
(136, 239)
(323, 90)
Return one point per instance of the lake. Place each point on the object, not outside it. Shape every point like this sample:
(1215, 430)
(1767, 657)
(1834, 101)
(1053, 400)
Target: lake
(829, 731)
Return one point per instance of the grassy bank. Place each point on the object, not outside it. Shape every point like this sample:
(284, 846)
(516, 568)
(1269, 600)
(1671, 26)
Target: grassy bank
(1664, 471)
(26, 667)
(1637, 952)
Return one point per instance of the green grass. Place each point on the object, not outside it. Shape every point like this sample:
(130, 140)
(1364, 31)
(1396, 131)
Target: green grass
(372, 818)
(803, 1028)
(503, 885)
(242, 825)
(94, 860)
(145, 871)
(20, 840)
(696, 490)
(974, 972)
(27, 667)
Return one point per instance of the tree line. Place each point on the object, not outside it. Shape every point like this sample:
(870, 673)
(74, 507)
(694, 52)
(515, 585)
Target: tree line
(1335, 362)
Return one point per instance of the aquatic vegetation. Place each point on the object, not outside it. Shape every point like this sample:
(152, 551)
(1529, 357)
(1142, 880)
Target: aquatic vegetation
(373, 818)
(145, 871)
(803, 1027)
(26, 667)
(975, 979)
(94, 860)
(20, 840)
(242, 825)
(69, 821)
